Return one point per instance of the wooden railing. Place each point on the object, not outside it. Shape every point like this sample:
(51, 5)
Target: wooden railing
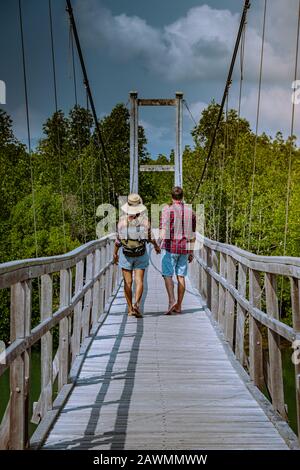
(85, 280)
(243, 293)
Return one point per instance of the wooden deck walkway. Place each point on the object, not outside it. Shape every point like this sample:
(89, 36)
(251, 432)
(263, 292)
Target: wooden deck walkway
(161, 383)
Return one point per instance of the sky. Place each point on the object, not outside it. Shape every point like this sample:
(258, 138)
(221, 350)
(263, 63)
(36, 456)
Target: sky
(156, 48)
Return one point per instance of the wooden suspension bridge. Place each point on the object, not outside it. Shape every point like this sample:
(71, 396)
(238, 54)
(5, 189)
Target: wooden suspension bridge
(209, 378)
(159, 382)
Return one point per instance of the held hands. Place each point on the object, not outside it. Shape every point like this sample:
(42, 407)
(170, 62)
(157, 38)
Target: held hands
(157, 249)
(190, 257)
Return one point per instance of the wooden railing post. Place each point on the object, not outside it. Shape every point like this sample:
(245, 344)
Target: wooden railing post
(201, 274)
(214, 285)
(229, 301)
(19, 371)
(86, 314)
(64, 330)
(96, 290)
(46, 344)
(107, 272)
(194, 269)
(204, 276)
(295, 296)
(111, 267)
(102, 281)
(255, 337)
(77, 322)
(221, 306)
(276, 378)
(240, 315)
(208, 277)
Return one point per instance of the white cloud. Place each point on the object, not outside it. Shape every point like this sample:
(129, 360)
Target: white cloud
(196, 46)
(275, 110)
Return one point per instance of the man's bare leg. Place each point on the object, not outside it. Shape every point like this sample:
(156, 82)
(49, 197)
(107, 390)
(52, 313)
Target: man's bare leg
(170, 290)
(127, 276)
(180, 293)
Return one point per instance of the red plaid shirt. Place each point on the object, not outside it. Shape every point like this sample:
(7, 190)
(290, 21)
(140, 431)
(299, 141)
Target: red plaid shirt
(178, 227)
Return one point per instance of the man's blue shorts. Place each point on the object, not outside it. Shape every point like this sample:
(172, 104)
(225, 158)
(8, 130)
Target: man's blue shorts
(173, 262)
(133, 262)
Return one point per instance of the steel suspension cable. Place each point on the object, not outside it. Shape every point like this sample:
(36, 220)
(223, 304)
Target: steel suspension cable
(88, 88)
(242, 58)
(225, 142)
(58, 132)
(78, 135)
(227, 86)
(28, 126)
(257, 121)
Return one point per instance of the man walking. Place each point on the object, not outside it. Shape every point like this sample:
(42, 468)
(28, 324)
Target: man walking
(177, 233)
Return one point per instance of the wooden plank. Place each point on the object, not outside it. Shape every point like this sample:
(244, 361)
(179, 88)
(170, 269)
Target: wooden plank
(240, 319)
(230, 301)
(222, 292)
(275, 325)
(64, 330)
(157, 102)
(150, 168)
(17, 370)
(20, 345)
(275, 361)
(17, 271)
(46, 344)
(255, 337)
(295, 298)
(159, 393)
(282, 265)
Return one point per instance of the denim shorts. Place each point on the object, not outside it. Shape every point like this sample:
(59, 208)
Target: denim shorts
(174, 263)
(133, 262)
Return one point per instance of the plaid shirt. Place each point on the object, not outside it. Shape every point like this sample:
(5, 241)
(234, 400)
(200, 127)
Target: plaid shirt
(178, 227)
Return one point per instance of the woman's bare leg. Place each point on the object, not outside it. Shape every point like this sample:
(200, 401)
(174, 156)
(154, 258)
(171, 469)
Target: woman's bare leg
(139, 287)
(127, 276)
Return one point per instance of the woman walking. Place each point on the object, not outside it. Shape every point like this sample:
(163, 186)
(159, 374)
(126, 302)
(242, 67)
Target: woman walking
(134, 231)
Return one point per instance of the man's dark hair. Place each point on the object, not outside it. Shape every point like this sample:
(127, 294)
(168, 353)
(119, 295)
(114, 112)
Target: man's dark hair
(177, 193)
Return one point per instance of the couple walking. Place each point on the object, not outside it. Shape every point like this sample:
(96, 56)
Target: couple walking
(177, 235)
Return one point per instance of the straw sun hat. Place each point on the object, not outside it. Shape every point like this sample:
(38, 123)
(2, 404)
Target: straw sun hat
(134, 205)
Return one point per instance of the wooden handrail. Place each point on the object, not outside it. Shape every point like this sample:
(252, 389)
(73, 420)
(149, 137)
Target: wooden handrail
(235, 284)
(78, 318)
(283, 265)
